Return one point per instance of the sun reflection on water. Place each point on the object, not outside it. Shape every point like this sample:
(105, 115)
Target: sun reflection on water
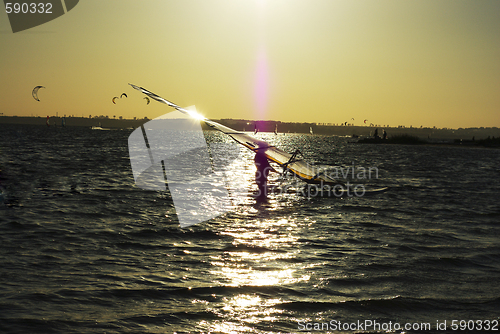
(259, 259)
(256, 257)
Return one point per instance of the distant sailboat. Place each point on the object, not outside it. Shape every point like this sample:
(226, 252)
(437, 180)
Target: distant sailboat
(255, 130)
(276, 129)
(99, 127)
(311, 130)
(63, 122)
(47, 121)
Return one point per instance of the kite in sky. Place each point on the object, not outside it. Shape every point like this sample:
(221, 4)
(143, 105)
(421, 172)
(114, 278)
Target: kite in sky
(35, 92)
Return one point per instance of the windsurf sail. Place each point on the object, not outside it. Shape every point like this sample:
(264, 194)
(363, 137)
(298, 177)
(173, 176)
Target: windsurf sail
(289, 162)
(47, 121)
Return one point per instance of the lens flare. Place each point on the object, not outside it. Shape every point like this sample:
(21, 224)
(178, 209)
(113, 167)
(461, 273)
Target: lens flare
(261, 84)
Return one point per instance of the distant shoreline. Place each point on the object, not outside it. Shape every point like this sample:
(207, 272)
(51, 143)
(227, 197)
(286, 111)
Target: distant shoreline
(490, 142)
(73, 121)
(467, 134)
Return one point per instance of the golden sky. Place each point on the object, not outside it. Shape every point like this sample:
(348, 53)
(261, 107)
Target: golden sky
(392, 62)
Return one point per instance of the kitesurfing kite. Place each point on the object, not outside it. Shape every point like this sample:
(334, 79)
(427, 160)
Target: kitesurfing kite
(147, 100)
(123, 95)
(289, 162)
(365, 121)
(35, 92)
(114, 98)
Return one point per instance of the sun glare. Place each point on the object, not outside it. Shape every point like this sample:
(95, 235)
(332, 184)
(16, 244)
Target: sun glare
(197, 115)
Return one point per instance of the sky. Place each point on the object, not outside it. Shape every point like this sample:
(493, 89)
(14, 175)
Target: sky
(390, 62)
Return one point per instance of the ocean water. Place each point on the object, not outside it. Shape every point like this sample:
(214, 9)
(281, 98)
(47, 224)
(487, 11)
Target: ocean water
(83, 250)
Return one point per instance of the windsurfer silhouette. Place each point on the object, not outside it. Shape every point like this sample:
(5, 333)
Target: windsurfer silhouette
(263, 169)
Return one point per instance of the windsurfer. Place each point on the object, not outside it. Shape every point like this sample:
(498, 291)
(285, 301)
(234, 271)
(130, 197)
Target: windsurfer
(263, 169)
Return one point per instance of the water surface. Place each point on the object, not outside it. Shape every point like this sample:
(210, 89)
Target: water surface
(83, 250)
